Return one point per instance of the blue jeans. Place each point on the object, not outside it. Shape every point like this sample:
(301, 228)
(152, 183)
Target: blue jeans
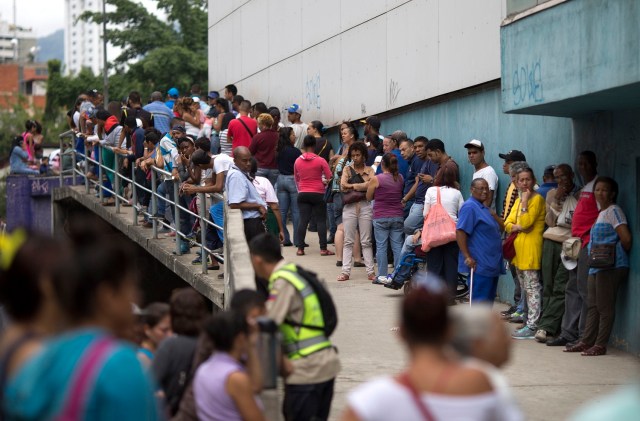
(415, 219)
(388, 229)
(401, 273)
(269, 174)
(215, 144)
(288, 198)
(331, 220)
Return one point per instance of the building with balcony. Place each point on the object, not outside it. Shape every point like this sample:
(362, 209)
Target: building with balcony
(82, 40)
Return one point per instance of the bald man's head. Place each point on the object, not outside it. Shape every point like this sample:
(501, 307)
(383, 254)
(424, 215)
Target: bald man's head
(156, 96)
(242, 158)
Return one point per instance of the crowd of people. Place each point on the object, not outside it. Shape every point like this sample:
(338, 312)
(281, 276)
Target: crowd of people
(377, 198)
(372, 198)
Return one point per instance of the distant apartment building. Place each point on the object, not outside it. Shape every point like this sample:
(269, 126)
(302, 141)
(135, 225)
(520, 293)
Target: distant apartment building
(16, 43)
(82, 40)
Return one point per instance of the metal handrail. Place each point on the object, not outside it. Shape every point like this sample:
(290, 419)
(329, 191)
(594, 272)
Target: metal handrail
(118, 178)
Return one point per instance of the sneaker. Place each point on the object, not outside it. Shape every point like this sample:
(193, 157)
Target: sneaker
(516, 317)
(541, 335)
(524, 333)
(509, 312)
(381, 280)
(393, 285)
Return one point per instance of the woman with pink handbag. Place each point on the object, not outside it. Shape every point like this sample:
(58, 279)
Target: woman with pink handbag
(441, 206)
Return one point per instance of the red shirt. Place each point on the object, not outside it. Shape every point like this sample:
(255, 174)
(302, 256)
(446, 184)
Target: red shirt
(239, 135)
(263, 148)
(585, 214)
(308, 170)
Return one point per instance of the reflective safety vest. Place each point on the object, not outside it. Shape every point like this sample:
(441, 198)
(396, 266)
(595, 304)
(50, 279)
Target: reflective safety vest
(300, 341)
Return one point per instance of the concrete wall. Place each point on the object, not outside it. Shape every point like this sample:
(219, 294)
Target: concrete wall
(615, 137)
(344, 59)
(577, 57)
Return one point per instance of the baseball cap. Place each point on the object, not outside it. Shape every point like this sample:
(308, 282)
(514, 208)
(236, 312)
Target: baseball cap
(373, 121)
(294, 108)
(213, 94)
(548, 170)
(513, 155)
(474, 143)
(173, 93)
(178, 129)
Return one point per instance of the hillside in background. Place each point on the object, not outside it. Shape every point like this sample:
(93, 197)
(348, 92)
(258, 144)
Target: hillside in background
(51, 47)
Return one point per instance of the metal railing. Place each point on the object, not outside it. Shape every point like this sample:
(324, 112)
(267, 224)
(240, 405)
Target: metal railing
(116, 191)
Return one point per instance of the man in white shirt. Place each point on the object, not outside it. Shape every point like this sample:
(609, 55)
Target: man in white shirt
(475, 152)
(294, 113)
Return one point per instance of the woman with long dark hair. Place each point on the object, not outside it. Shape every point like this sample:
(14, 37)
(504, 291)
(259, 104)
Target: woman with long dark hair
(287, 191)
(312, 174)
(324, 148)
(221, 124)
(388, 217)
(19, 158)
(357, 212)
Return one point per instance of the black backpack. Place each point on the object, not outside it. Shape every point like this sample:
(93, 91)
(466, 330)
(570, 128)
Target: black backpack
(329, 313)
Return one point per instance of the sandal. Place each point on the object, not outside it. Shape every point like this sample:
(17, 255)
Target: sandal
(358, 264)
(300, 252)
(594, 351)
(343, 277)
(372, 277)
(579, 347)
(326, 253)
(109, 202)
(339, 263)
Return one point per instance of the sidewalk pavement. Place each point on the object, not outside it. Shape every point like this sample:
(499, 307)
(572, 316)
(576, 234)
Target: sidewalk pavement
(548, 383)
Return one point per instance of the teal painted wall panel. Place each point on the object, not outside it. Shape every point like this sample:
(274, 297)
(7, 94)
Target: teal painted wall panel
(544, 140)
(615, 137)
(573, 49)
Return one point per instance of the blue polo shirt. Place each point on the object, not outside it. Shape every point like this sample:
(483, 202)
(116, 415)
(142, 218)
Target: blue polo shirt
(162, 115)
(483, 239)
(415, 164)
(240, 189)
(428, 167)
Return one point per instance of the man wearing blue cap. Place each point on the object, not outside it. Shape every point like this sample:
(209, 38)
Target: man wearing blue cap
(294, 112)
(172, 95)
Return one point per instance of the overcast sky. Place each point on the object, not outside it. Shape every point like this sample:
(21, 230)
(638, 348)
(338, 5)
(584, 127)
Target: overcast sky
(43, 16)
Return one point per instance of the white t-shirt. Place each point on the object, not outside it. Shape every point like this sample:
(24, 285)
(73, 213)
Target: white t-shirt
(300, 129)
(489, 174)
(222, 163)
(265, 189)
(450, 198)
(385, 399)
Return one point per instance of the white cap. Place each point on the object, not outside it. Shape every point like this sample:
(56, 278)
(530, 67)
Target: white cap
(569, 264)
(474, 143)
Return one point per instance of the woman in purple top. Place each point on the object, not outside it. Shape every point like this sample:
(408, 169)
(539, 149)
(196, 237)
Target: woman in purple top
(388, 215)
(222, 388)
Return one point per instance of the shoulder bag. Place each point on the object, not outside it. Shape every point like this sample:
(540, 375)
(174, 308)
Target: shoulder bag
(508, 245)
(438, 227)
(405, 381)
(353, 196)
(602, 256)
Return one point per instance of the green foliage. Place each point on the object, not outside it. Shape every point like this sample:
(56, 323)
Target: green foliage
(11, 124)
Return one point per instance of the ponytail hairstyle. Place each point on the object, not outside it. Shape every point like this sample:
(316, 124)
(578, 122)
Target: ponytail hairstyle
(390, 162)
(318, 126)
(283, 139)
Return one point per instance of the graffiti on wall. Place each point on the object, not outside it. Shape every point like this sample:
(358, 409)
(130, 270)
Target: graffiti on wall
(394, 90)
(312, 92)
(527, 84)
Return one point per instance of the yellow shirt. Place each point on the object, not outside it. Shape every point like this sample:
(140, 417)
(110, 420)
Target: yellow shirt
(528, 245)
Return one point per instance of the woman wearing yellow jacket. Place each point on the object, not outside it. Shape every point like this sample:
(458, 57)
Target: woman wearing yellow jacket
(527, 219)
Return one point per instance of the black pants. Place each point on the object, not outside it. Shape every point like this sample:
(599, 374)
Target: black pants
(307, 402)
(442, 262)
(308, 204)
(253, 227)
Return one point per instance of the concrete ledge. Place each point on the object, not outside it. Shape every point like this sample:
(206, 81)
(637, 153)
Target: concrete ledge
(239, 272)
(161, 249)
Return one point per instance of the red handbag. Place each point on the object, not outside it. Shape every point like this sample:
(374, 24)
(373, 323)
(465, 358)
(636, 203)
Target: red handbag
(438, 227)
(508, 247)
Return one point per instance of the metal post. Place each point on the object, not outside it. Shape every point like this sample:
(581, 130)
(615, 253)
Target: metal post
(134, 197)
(176, 214)
(87, 154)
(203, 227)
(100, 174)
(74, 162)
(154, 202)
(116, 187)
(60, 160)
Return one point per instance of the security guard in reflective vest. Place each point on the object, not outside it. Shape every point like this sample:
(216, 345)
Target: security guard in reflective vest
(292, 302)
